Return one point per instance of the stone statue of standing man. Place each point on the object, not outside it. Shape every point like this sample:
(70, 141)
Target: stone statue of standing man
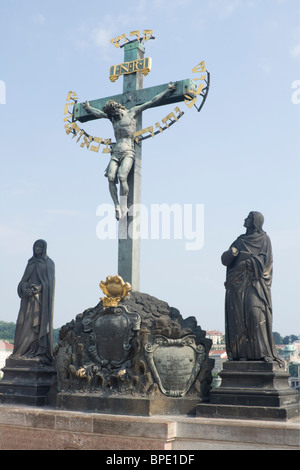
(248, 305)
(123, 153)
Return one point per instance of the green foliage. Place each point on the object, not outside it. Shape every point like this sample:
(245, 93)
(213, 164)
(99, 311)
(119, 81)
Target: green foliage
(55, 336)
(7, 332)
(284, 340)
(277, 338)
(290, 339)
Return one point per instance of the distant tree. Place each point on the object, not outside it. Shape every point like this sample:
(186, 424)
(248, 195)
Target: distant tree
(290, 339)
(55, 336)
(7, 331)
(277, 338)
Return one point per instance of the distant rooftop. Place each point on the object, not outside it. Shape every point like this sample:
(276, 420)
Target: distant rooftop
(5, 345)
(213, 333)
(218, 352)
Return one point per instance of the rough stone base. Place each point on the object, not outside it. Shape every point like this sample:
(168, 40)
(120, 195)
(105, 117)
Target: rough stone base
(25, 381)
(126, 405)
(247, 412)
(32, 428)
(252, 390)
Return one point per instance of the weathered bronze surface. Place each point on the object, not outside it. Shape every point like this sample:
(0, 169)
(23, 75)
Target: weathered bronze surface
(110, 332)
(175, 363)
(124, 122)
(34, 329)
(141, 349)
(28, 372)
(248, 304)
(125, 113)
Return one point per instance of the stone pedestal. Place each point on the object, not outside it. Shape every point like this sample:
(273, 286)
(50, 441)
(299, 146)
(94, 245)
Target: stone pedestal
(140, 357)
(252, 390)
(127, 405)
(25, 381)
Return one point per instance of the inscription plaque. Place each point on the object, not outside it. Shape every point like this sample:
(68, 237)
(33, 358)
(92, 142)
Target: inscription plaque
(175, 363)
(110, 333)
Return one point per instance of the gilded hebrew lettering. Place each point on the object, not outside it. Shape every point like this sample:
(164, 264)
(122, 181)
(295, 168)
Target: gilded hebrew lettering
(199, 89)
(190, 103)
(73, 127)
(143, 131)
(192, 97)
(193, 92)
(99, 141)
(169, 118)
(72, 96)
(147, 34)
(70, 116)
(159, 126)
(177, 110)
(106, 142)
(199, 67)
(135, 33)
(86, 141)
(66, 108)
(137, 65)
(116, 41)
(80, 135)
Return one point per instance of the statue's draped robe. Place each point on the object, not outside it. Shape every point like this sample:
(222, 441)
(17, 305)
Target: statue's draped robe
(34, 328)
(248, 306)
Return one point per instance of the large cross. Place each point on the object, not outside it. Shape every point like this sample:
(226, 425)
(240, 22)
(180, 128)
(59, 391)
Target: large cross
(133, 94)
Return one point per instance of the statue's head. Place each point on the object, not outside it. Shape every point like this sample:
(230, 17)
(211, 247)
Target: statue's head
(258, 221)
(254, 221)
(113, 109)
(40, 249)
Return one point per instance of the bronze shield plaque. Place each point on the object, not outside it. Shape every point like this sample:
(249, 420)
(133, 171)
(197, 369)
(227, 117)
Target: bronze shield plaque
(110, 333)
(174, 363)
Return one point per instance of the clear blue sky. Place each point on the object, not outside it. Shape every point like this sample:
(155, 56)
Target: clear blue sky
(240, 153)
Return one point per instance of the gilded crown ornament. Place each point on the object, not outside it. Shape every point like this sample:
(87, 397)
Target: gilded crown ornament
(115, 289)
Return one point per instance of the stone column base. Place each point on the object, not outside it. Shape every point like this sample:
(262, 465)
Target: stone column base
(252, 390)
(26, 381)
(127, 405)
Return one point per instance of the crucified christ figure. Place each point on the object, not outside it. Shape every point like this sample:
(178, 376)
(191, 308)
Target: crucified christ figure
(123, 153)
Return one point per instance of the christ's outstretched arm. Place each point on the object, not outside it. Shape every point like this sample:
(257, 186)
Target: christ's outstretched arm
(140, 108)
(96, 112)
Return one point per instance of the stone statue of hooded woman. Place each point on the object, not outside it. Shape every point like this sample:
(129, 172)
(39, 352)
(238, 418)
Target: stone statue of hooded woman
(248, 305)
(34, 328)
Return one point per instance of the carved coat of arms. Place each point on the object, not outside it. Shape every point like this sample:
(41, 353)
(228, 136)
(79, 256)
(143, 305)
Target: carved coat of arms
(174, 363)
(110, 332)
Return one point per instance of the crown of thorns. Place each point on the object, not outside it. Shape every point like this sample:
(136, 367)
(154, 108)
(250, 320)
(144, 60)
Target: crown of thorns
(112, 105)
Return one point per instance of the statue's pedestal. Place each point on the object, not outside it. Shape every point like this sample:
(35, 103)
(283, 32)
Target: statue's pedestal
(252, 390)
(25, 381)
(127, 405)
(138, 358)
